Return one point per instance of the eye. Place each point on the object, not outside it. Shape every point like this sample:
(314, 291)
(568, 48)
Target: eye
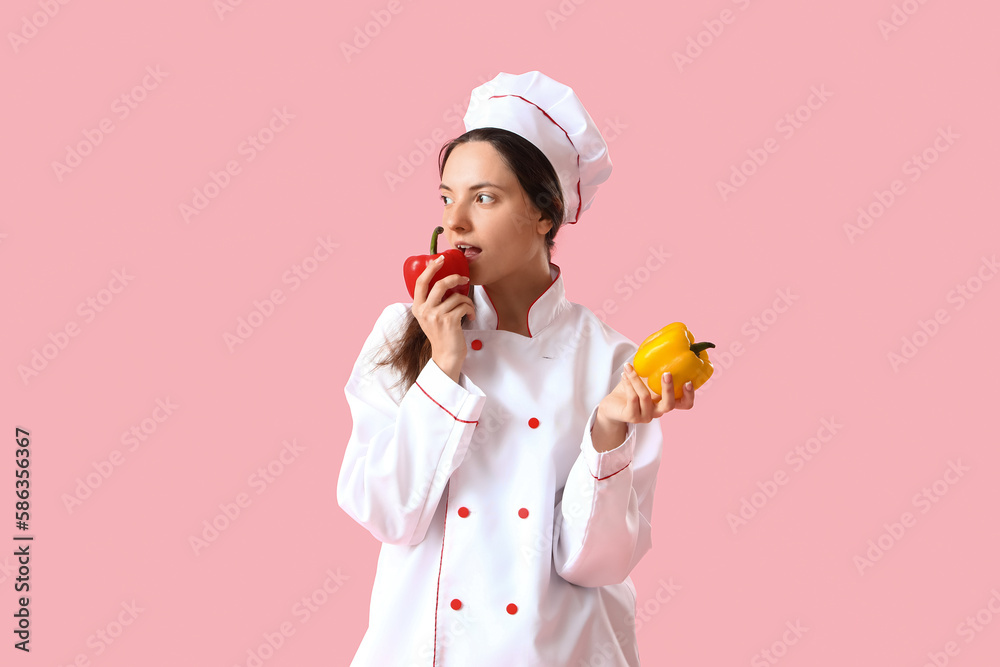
(483, 194)
(445, 198)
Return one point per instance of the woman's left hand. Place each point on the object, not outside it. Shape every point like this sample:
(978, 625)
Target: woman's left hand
(632, 401)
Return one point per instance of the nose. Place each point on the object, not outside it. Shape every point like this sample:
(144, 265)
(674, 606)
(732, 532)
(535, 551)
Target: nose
(456, 218)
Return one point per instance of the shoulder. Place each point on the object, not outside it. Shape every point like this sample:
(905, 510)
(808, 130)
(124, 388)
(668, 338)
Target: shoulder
(387, 327)
(589, 324)
(393, 315)
(599, 337)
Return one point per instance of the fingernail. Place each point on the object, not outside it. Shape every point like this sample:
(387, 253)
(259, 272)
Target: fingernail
(667, 377)
(689, 385)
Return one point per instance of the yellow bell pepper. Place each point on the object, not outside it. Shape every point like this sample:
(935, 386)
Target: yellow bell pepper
(673, 349)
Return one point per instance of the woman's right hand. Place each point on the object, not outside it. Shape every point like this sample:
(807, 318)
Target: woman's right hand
(442, 320)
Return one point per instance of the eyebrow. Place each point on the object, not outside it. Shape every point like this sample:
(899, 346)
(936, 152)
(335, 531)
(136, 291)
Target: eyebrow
(484, 184)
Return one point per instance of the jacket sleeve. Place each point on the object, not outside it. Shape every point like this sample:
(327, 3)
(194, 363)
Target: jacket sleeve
(602, 522)
(404, 444)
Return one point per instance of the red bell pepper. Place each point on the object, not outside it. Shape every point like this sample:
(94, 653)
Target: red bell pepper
(454, 263)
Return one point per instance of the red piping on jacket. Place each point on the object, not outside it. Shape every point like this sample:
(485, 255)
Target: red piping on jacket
(437, 593)
(612, 474)
(464, 421)
(527, 317)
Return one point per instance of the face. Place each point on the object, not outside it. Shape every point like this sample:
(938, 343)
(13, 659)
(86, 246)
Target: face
(485, 206)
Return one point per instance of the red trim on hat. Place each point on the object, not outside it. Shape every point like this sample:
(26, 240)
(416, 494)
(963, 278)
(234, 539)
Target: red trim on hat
(580, 199)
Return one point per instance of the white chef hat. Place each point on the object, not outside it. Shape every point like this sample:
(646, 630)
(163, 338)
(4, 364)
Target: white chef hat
(550, 116)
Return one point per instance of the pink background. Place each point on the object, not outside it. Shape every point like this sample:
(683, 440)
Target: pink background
(708, 595)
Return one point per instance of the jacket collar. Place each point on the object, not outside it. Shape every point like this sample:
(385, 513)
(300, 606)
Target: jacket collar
(542, 312)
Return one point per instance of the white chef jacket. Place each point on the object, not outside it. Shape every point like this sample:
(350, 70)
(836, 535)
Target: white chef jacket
(507, 539)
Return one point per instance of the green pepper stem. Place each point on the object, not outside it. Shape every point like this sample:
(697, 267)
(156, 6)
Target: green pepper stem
(698, 347)
(434, 239)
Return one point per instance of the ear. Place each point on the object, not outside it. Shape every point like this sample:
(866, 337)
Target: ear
(543, 224)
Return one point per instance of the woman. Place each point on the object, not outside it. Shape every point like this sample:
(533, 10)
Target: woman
(504, 450)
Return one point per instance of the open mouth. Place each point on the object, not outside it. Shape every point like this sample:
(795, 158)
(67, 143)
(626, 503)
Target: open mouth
(470, 252)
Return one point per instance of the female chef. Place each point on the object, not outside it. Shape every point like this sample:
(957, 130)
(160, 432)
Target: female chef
(504, 451)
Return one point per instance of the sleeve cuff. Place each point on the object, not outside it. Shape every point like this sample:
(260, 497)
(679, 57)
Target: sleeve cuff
(462, 400)
(605, 464)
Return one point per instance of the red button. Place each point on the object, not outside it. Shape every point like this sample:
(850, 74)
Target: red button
(523, 513)
(512, 608)
(477, 344)
(456, 604)
(463, 512)
(533, 423)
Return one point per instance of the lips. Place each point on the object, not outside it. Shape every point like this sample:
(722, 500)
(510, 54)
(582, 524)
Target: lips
(470, 252)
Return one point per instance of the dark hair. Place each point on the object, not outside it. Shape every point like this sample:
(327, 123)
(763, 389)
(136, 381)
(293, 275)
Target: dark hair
(537, 177)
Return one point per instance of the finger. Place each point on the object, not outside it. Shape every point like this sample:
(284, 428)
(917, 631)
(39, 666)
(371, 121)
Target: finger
(667, 399)
(687, 402)
(456, 302)
(628, 395)
(641, 390)
(436, 294)
(420, 289)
